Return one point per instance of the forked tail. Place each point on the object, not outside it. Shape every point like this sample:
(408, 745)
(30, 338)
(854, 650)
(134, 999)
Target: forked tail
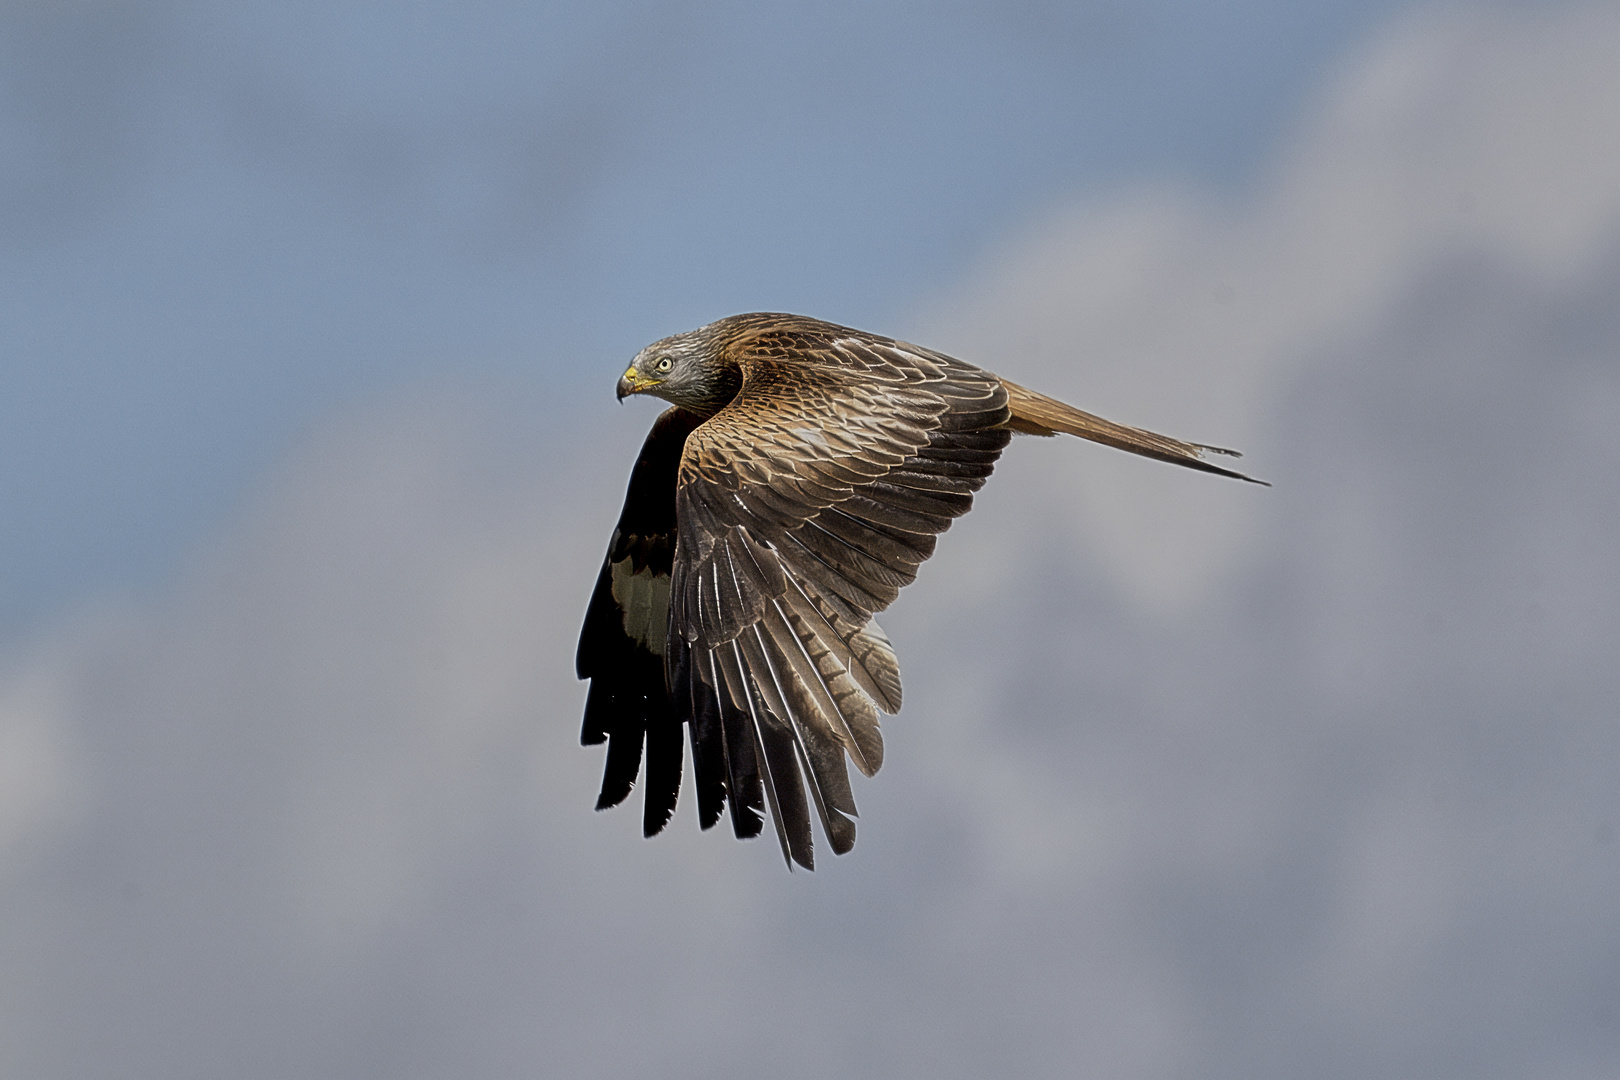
(1037, 414)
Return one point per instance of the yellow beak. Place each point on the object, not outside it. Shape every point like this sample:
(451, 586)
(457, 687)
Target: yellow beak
(633, 382)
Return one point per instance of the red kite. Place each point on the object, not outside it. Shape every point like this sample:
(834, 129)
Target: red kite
(797, 484)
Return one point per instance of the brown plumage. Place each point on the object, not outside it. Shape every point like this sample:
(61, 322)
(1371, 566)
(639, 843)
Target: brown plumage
(796, 486)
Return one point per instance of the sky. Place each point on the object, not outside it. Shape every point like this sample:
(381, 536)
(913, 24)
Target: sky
(222, 224)
(308, 460)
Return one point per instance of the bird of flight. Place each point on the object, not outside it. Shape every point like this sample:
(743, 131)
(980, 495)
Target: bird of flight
(798, 482)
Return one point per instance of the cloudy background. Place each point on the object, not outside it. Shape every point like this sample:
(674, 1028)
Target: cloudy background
(308, 321)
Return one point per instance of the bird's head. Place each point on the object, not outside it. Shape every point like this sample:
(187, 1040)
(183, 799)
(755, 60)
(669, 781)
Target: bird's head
(683, 369)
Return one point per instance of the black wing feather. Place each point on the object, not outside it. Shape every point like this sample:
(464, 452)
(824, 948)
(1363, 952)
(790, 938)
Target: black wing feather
(621, 646)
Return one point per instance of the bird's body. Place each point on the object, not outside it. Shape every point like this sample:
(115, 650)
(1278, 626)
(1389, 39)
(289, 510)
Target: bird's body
(797, 484)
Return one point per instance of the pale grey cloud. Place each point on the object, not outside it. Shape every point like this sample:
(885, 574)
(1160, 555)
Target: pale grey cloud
(1336, 800)
(1459, 134)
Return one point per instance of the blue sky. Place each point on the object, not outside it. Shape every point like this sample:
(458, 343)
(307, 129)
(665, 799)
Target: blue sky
(224, 222)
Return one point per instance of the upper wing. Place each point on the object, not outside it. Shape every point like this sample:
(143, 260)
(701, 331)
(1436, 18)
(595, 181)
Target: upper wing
(621, 647)
(803, 507)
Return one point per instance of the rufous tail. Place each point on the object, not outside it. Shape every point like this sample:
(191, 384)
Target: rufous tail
(1037, 414)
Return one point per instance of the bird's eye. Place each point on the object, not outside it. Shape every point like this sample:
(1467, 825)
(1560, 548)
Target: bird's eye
(663, 365)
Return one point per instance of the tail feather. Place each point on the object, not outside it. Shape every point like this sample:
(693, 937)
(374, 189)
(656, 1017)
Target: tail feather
(1037, 414)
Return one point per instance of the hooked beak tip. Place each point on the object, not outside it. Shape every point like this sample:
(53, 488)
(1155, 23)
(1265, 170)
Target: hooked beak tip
(630, 383)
